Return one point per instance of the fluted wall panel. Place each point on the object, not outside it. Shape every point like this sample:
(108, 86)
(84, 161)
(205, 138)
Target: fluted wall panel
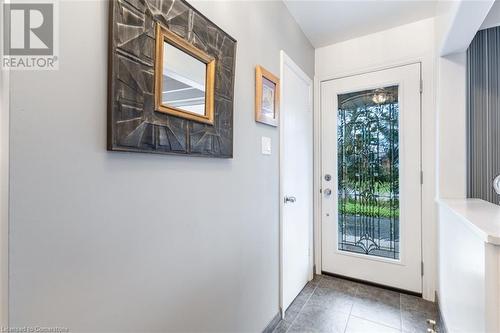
(483, 114)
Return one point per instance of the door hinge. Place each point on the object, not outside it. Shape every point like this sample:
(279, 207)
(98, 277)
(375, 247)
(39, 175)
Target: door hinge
(422, 268)
(421, 177)
(421, 86)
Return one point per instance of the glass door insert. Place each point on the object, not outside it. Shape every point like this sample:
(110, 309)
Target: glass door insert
(368, 172)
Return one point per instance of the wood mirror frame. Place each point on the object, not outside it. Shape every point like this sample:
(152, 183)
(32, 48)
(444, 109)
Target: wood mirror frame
(164, 35)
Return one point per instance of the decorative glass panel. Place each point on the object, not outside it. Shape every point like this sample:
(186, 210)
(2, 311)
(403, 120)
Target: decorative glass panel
(368, 172)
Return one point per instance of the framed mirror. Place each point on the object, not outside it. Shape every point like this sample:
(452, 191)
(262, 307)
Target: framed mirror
(155, 105)
(184, 78)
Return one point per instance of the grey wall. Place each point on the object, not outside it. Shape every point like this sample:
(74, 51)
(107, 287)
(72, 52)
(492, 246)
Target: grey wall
(483, 114)
(116, 242)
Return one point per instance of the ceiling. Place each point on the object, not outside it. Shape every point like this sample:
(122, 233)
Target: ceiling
(331, 21)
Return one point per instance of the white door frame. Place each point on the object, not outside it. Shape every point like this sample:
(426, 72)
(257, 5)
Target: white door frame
(427, 105)
(285, 60)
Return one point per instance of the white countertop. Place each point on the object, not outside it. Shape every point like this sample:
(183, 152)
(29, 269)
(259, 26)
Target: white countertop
(482, 216)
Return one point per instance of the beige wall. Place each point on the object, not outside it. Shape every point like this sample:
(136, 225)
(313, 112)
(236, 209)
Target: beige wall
(115, 242)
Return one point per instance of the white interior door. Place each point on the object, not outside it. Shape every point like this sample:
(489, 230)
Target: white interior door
(371, 187)
(296, 165)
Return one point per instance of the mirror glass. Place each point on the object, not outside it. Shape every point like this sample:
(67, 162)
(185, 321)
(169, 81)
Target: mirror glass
(184, 79)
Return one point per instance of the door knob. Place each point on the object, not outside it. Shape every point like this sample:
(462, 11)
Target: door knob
(327, 191)
(290, 199)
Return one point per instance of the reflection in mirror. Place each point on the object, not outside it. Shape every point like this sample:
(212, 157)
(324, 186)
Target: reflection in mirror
(184, 80)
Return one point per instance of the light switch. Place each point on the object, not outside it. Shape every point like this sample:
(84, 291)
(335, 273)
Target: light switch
(266, 145)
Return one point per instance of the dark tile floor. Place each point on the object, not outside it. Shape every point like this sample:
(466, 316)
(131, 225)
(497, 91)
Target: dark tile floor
(328, 304)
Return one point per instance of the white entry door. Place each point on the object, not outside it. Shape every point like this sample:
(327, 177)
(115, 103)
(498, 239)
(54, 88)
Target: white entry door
(296, 165)
(371, 177)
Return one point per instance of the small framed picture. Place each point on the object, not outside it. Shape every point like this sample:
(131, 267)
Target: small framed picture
(267, 97)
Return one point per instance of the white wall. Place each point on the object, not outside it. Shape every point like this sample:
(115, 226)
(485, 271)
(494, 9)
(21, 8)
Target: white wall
(493, 17)
(451, 109)
(4, 195)
(469, 273)
(408, 43)
(462, 274)
(458, 289)
(116, 242)
(451, 35)
(443, 22)
(4, 189)
(457, 22)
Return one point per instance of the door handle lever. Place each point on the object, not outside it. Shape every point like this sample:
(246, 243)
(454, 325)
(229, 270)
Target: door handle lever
(290, 199)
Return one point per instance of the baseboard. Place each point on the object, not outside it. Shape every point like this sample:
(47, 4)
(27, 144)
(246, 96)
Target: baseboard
(272, 324)
(441, 322)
